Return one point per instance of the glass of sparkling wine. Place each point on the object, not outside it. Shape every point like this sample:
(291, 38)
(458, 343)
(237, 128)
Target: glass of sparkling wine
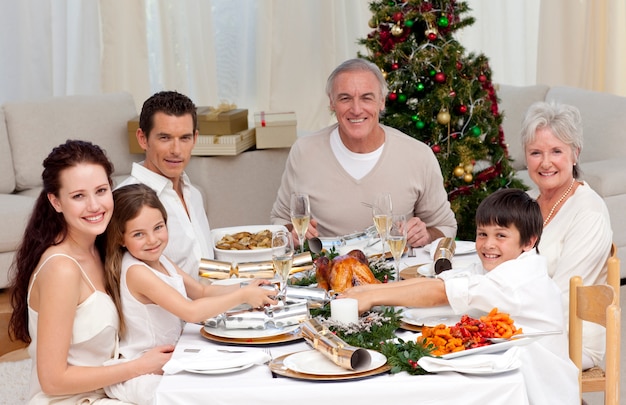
(300, 210)
(381, 210)
(282, 258)
(397, 240)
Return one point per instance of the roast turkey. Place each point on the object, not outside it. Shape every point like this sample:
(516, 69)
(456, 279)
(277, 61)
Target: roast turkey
(343, 272)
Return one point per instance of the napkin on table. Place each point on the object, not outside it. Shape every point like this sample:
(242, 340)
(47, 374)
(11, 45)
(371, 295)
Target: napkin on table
(211, 359)
(476, 363)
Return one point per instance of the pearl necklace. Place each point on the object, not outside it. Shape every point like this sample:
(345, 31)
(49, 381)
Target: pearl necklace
(559, 201)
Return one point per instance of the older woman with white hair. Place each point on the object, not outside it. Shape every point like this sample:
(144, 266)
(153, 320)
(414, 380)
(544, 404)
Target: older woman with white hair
(577, 233)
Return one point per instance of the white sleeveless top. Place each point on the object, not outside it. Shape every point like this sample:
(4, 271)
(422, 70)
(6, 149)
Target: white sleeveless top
(148, 325)
(94, 338)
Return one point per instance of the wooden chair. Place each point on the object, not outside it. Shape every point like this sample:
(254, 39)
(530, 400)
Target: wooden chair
(598, 304)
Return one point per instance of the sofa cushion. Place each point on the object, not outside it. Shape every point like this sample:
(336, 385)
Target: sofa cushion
(14, 214)
(606, 177)
(604, 121)
(514, 101)
(101, 119)
(7, 179)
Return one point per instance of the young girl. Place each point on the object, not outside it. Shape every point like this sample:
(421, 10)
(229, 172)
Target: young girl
(153, 292)
(59, 298)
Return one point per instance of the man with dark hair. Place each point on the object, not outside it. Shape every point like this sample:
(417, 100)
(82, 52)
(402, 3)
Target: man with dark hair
(168, 132)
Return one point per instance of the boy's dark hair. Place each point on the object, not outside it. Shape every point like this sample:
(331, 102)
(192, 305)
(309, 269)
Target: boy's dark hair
(512, 206)
(168, 102)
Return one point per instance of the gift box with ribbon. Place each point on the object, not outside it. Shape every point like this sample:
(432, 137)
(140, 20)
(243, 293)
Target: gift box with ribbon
(224, 119)
(275, 129)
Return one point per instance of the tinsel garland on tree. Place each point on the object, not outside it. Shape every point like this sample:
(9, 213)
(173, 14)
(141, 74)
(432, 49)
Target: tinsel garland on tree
(442, 97)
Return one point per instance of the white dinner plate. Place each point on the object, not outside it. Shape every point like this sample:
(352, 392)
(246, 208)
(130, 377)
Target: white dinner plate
(493, 348)
(314, 362)
(462, 247)
(269, 331)
(426, 270)
(222, 370)
(420, 317)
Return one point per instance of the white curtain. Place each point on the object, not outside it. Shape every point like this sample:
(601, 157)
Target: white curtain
(507, 33)
(275, 55)
(583, 44)
(48, 48)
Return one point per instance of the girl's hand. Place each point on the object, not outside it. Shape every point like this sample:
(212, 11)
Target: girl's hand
(258, 297)
(153, 360)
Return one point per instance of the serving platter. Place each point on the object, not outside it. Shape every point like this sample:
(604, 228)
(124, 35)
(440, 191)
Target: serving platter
(272, 336)
(277, 366)
(492, 348)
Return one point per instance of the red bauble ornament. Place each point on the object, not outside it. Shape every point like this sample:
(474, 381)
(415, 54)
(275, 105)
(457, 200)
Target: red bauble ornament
(432, 36)
(440, 77)
(397, 17)
(436, 148)
(394, 66)
(393, 96)
(452, 94)
(462, 109)
(482, 78)
(459, 66)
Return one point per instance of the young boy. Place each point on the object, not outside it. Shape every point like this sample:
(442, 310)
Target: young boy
(513, 277)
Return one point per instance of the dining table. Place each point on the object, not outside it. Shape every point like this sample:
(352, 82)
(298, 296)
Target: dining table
(259, 385)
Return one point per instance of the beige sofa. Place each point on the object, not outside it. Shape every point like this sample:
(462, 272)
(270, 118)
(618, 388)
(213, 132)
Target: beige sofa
(240, 190)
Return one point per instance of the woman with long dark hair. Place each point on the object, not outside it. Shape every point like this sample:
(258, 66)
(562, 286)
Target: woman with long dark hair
(61, 303)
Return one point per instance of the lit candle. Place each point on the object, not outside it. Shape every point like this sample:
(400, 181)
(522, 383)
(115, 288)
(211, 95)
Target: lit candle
(344, 310)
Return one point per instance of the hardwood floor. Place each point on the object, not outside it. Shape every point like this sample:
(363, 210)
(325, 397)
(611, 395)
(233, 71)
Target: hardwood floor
(9, 350)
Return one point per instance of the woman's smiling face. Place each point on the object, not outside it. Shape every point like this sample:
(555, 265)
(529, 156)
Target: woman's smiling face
(550, 161)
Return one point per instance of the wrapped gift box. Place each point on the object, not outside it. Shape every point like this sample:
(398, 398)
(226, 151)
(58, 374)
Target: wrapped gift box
(230, 143)
(216, 145)
(133, 145)
(224, 123)
(275, 129)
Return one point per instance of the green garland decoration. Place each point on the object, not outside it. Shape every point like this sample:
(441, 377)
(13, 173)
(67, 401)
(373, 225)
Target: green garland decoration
(376, 331)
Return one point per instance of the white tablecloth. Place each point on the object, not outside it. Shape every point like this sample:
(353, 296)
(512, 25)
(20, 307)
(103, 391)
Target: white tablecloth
(256, 384)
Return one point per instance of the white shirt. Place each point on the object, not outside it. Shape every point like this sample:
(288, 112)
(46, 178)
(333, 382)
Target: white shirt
(189, 235)
(522, 288)
(356, 164)
(577, 241)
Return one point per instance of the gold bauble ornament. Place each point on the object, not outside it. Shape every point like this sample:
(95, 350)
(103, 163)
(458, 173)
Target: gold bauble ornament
(384, 73)
(458, 171)
(396, 30)
(469, 168)
(468, 177)
(443, 117)
(372, 23)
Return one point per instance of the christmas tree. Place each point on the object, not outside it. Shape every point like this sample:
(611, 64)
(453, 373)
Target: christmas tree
(442, 97)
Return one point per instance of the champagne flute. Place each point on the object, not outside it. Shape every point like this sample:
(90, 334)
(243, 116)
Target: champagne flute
(282, 258)
(381, 210)
(397, 240)
(300, 210)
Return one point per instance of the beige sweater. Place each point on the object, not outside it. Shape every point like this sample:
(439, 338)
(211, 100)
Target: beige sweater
(407, 169)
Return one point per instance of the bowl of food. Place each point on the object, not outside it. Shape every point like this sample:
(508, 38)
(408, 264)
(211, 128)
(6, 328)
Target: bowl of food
(242, 244)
